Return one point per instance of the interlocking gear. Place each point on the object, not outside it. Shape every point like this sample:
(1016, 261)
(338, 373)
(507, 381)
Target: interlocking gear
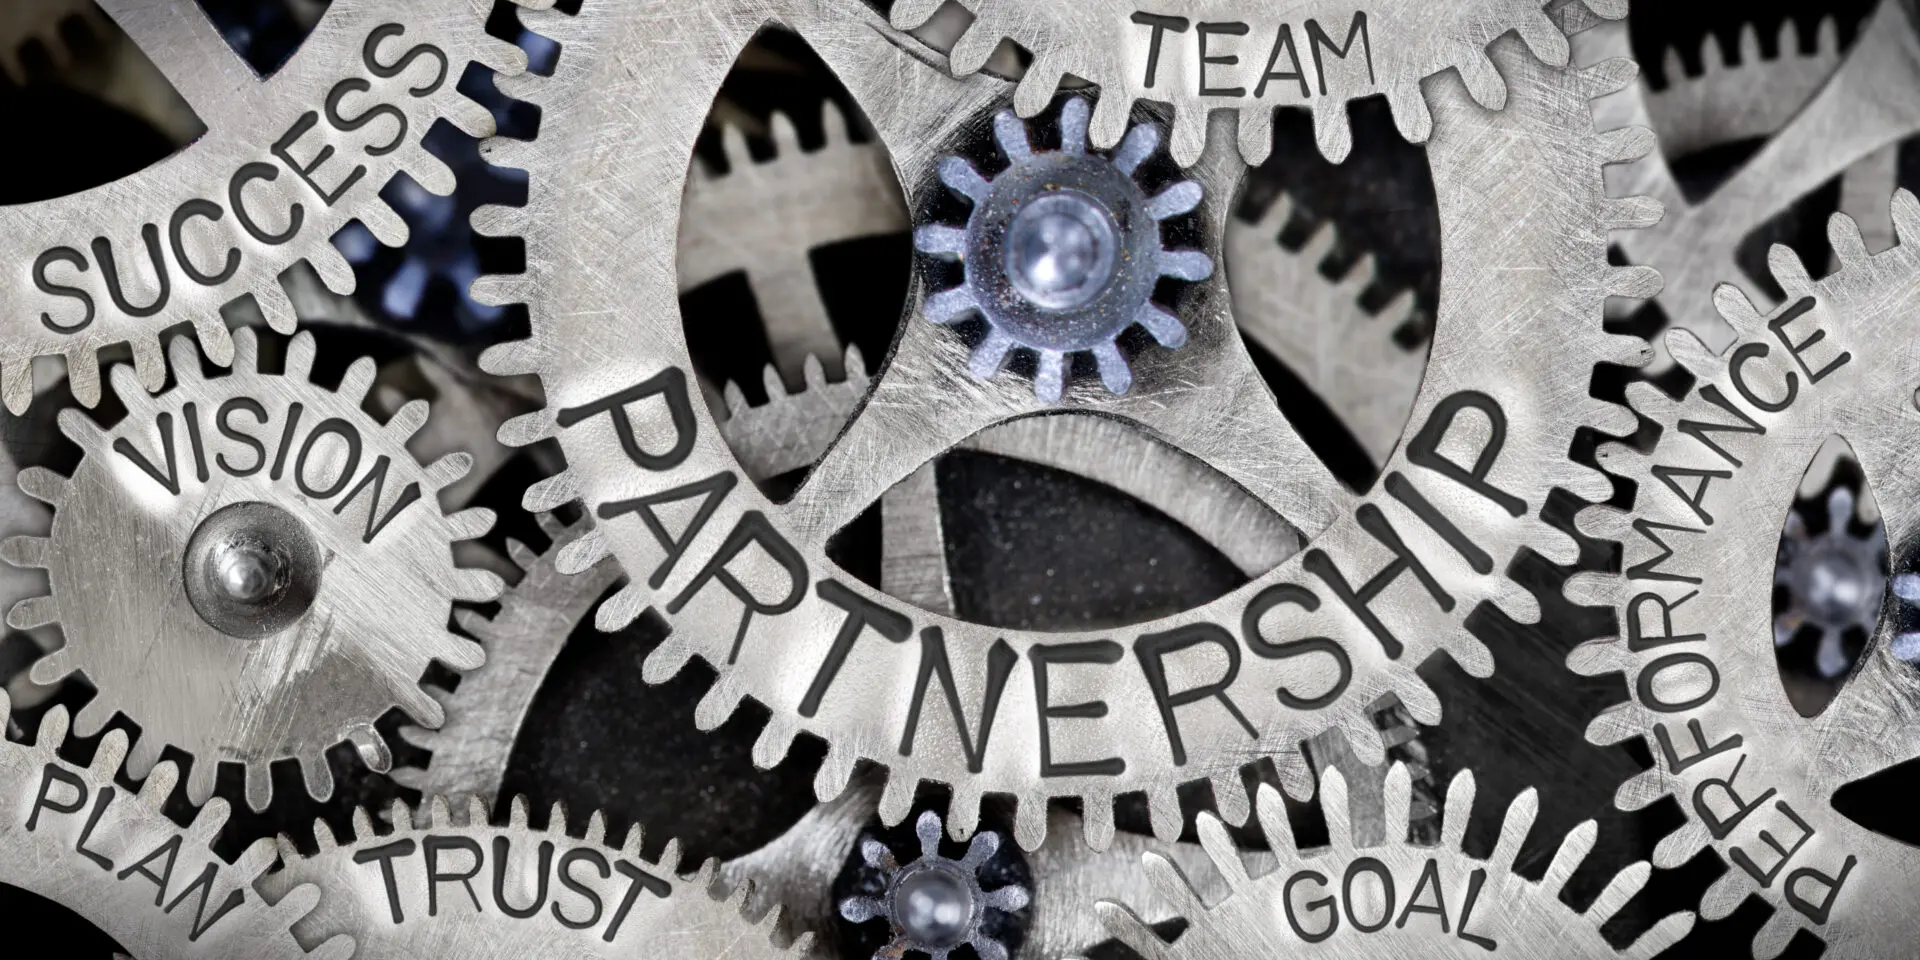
(286, 161)
(935, 904)
(1695, 608)
(250, 567)
(70, 834)
(1062, 251)
(744, 582)
(1321, 56)
(438, 886)
(1365, 900)
(1834, 580)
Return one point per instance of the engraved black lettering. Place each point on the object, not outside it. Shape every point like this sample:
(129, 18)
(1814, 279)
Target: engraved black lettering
(1160, 26)
(1152, 650)
(78, 261)
(1678, 764)
(306, 171)
(1324, 903)
(752, 528)
(1816, 913)
(347, 124)
(50, 775)
(1378, 869)
(333, 426)
(1424, 449)
(933, 662)
(1737, 370)
(171, 479)
(1274, 596)
(384, 855)
(1404, 491)
(1639, 641)
(1650, 569)
(1283, 40)
(671, 385)
(1475, 880)
(431, 847)
(1318, 39)
(1671, 476)
(641, 880)
(1644, 684)
(1104, 652)
(101, 800)
(286, 439)
(204, 884)
(191, 414)
(502, 847)
(1357, 600)
(384, 71)
(567, 860)
(1717, 825)
(170, 849)
(221, 422)
(861, 614)
(1429, 880)
(236, 198)
(711, 492)
(1740, 856)
(1698, 429)
(176, 238)
(1203, 30)
(103, 252)
(376, 478)
(1779, 327)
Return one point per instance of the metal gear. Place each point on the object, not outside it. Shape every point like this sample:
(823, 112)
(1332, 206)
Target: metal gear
(1514, 186)
(1834, 580)
(935, 904)
(41, 23)
(1844, 124)
(765, 217)
(240, 612)
(1062, 251)
(380, 73)
(1476, 907)
(1739, 94)
(1133, 55)
(70, 834)
(421, 891)
(1694, 600)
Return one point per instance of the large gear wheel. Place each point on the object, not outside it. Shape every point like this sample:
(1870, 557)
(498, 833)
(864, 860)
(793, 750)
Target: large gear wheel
(1210, 56)
(251, 568)
(71, 834)
(1359, 900)
(286, 162)
(1694, 602)
(445, 886)
(1525, 221)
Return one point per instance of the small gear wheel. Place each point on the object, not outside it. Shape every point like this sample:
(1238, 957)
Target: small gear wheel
(1062, 251)
(250, 567)
(936, 904)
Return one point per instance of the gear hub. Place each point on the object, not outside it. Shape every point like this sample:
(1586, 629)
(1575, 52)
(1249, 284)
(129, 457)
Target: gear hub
(1062, 251)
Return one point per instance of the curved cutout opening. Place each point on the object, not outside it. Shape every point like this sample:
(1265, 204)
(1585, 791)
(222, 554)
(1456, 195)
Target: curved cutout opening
(1830, 578)
(792, 260)
(1062, 522)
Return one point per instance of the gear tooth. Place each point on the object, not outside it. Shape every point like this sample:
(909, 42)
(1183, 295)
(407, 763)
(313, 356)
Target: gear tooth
(813, 372)
(1097, 821)
(1454, 817)
(1635, 282)
(1734, 305)
(1747, 47)
(1163, 810)
(1230, 796)
(972, 50)
(1843, 235)
(500, 56)
(316, 774)
(499, 220)
(856, 366)
(470, 117)
(551, 493)
(506, 152)
(1189, 137)
(54, 725)
(896, 798)
(736, 399)
(26, 552)
(554, 528)
(299, 361)
(733, 145)
(527, 429)
(500, 289)
(83, 378)
(127, 385)
(522, 555)
(1671, 929)
(358, 379)
(719, 702)
(581, 554)
(1827, 41)
(1612, 75)
(430, 172)
(259, 787)
(200, 779)
(596, 828)
(33, 613)
(386, 225)
(1624, 144)
(44, 485)
(786, 138)
(908, 14)
(112, 752)
(150, 365)
(1572, 852)
(623, 608)
(1110, 115)
(1397, 800)
(1030, 821)
(1906, 217)
(1788, 269)
(511, 359)
(836, 125)
(1036, 88)
(439, 815)
(1630, 213)
(1618, 724)
(1335, 138)
(333, 269)
(52, 668)
(16, 385)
